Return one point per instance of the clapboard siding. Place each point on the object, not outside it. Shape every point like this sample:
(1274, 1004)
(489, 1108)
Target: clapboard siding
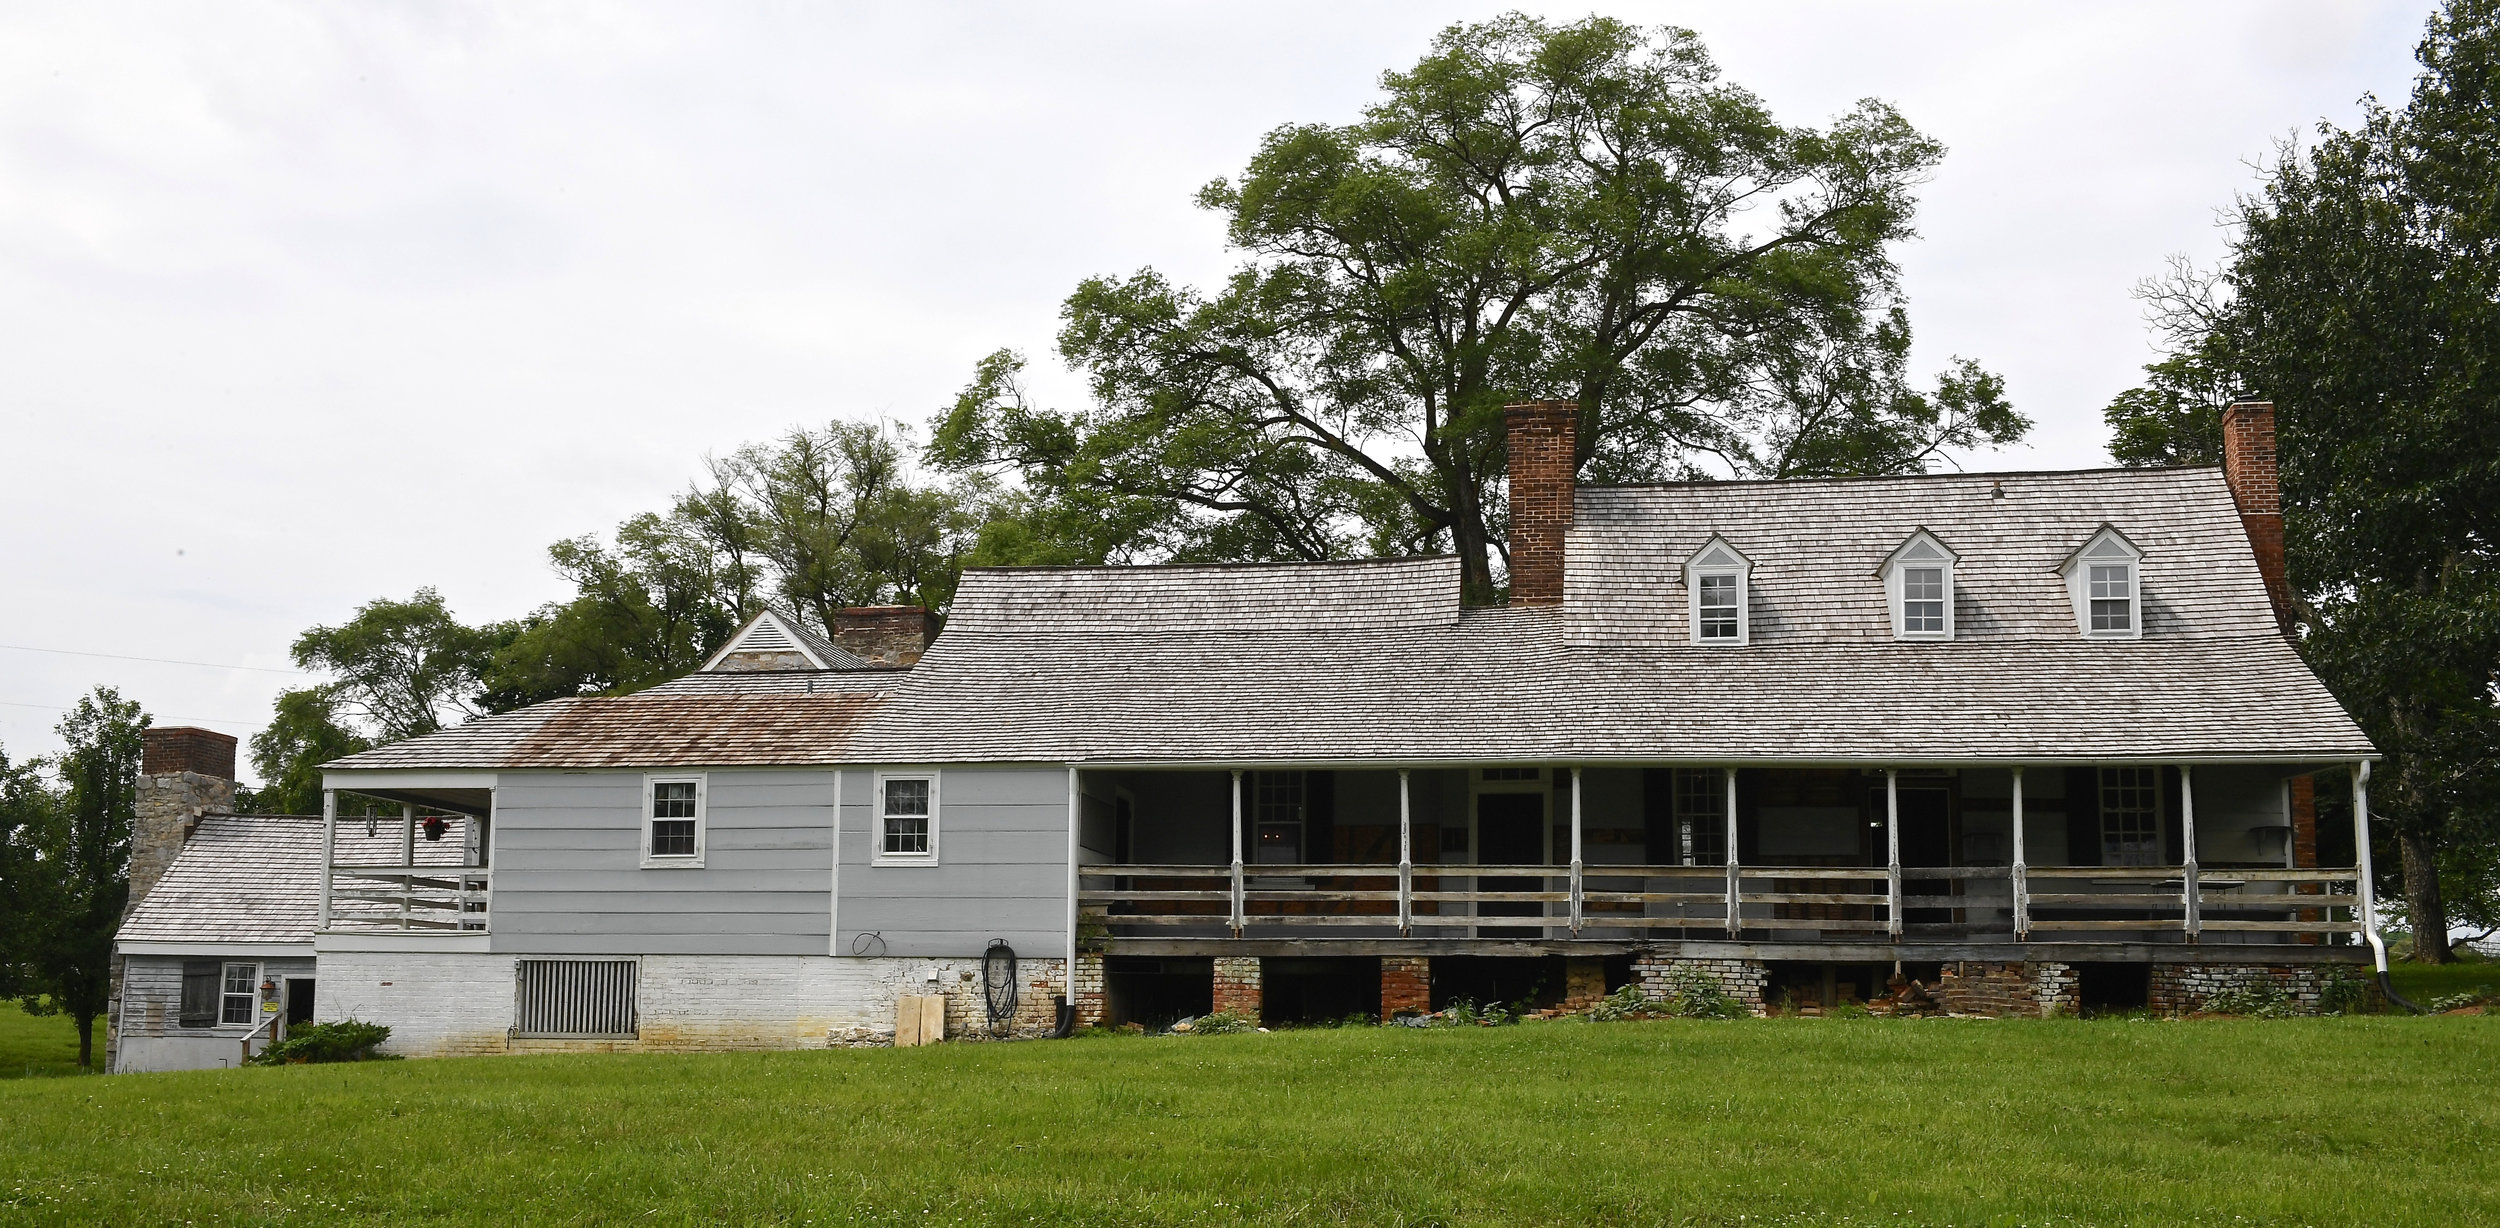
(1002, 870)
(569, 878)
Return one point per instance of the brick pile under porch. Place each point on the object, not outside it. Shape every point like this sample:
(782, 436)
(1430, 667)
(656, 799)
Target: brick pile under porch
(1738, 870)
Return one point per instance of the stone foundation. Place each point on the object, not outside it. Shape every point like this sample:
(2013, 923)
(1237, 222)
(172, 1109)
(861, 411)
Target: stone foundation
(1741, 979)
(1405, 986)
(2008, 990)
(1238, 987)
(2185, 989)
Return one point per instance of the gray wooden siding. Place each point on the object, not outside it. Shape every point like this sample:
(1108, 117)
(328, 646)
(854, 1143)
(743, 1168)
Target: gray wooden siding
(569, 877)
(1002, 870)
(152, 991)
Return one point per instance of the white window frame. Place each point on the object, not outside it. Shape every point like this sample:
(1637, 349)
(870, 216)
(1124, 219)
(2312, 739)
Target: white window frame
(250, 996)
(702, 820)
(2078, 568)
(1741, 568)
(1895, 573)
(877, 817)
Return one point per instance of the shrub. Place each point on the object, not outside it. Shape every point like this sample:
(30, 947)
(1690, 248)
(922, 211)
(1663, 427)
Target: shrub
(2256, 997)
(348, 1040)
(1221, 1023)
(1693, 994)
(2342, 994)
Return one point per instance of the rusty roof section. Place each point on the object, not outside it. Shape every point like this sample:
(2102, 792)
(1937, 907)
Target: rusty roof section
(725, 720)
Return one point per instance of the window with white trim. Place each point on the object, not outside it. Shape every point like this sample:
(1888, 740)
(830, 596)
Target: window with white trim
(907, 819)
(2112, 596)
(1280, 816)
(2106, 580)
(240, 993)
(2131, 816)
(1717, 579)
(672, 821)
(1918, 581)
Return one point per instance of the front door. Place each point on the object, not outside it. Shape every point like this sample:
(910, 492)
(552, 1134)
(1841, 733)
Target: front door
(1510, 831)
(299, 1001)
(1926, 840)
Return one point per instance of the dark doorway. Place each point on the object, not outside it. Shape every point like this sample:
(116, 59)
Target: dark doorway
(2113, 987)
(1319, 989)
(1522, 981)
(299, 1001)
(1926, 840)
(1510, 831)
(1156, 992)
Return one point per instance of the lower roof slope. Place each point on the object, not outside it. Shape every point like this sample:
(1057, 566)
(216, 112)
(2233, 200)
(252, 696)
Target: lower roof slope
(257, 877)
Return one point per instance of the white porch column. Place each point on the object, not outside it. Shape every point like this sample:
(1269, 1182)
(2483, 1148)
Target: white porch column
(1735, 888)
(1406, 859)
(1575, 850)
(407, 859)
(1076, 815)
(2365, 893)
(1892, 849)
(2022, 869)
(329, 848)
(2192, 920)
(1240, 914)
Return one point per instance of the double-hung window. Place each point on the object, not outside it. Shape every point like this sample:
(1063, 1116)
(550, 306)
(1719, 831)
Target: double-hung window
(1922, 600)
(673, 821)
(2106, 579)
(1719, 609)
(907, 819)
(1716, 577)
(241, 990)
(2112, 596)
(1918, 576)
(2131, 816)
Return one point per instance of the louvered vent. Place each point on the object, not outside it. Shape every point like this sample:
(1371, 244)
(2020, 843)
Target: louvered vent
(574, 999)
(765, 636)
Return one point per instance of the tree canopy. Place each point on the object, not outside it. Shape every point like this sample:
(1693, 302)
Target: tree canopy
(65, 853)
(1583, 211)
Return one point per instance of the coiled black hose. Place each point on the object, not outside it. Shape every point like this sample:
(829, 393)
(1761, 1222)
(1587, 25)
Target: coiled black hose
(999, 985)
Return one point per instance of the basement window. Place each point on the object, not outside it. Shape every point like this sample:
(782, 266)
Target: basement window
(907, 819)
(673, 821)
(574, 999)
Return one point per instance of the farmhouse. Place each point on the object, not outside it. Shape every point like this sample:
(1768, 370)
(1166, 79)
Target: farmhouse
(2029, 740)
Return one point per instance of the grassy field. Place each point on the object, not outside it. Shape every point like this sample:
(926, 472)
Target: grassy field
(38, 1045)
(1802, 1121)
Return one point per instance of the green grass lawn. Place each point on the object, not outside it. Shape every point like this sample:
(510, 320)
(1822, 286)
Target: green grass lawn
(2423, 982)
(1803, 1121)
(39, 1045)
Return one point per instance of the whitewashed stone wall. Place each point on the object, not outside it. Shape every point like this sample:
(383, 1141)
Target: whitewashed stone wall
(1741, 979)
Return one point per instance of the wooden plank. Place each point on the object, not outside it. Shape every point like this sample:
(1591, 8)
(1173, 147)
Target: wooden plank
(2156, 873)
(1816, 897)
(2113, 899)
(2290, 876)
(2170, 924)
(2288, 927)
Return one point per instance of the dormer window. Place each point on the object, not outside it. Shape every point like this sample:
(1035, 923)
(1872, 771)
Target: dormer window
(1716, 579)
(2105, 580)
(1918, 582)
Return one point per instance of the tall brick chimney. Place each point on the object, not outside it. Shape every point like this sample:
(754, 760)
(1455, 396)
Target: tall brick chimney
(885, 634)
(2248, 466)
(184, 772)
(1543, 436)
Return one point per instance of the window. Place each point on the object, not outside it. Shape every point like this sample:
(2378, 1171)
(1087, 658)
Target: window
(1717, 578)
(673, 820)
(241, 991)
(1513, 773)
(1701, 816)
(574, 998)
(1280, 808)
(2105, 578)
(201, 981)
(2112, 596)
(907, 811)
(1918, 576)
(2131, 817)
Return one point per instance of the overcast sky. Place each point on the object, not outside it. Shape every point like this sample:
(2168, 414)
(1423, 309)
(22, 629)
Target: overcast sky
(302, 305)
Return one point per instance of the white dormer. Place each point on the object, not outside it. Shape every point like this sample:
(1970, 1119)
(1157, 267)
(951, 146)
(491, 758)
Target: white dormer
(2105, 580)
(1718, 593)
(773, 641)
(1918, 582)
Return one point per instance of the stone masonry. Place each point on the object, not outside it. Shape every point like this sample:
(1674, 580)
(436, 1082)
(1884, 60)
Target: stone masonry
(1742, 979)
(1405, 986)
(184, 772)
(1238, 987)
(2184, 989)
(2009, 990)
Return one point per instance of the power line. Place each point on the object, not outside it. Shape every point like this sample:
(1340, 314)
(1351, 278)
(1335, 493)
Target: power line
(222, 720)
(115, 656)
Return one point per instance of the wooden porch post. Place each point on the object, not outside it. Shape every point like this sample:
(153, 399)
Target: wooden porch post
(329, 848)
(1406, 860)
(1575, 851)
(407, 858)
(2022, 871)
(1735, 888)
(1240, 917)
(2191, 918)
(1892, 849)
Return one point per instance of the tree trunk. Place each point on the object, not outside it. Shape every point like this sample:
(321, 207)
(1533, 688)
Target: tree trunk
(86, 1042)
(2423, 903)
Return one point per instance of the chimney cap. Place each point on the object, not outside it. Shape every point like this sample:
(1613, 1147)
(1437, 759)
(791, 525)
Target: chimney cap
(169, 750)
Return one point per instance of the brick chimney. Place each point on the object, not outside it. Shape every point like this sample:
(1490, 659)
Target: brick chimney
(2248, 466)
(184, 772)
(885, 634)
(1542, 437)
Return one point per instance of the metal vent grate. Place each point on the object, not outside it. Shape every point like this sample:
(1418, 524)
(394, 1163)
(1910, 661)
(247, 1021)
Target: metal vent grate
(574, 998)
(765, 636)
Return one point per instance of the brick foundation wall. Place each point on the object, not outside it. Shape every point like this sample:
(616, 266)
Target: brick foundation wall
(2184, 989)
(1405, 986)
(1543, 437)
(1238, 987)
(1092, 1009)
(1584, 982)
(2009, 990)
(1741, 979)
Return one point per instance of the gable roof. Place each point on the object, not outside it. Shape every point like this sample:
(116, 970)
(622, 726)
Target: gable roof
(772, 634)
(257, 877)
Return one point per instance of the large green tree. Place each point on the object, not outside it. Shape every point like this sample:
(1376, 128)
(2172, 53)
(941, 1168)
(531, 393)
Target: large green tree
(26, 805)
(81, 843)
(2364, 300)
(1581, 211)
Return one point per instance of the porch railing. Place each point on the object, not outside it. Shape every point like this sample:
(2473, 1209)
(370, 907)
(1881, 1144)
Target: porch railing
(402, 897)
(1817, 903)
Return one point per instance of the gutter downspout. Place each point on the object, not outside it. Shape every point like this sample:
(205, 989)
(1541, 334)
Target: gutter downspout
(2366, 891)
(1063, 1022)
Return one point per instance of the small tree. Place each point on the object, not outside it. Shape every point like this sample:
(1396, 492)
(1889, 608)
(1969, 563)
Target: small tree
(26, 804)
(82, 846)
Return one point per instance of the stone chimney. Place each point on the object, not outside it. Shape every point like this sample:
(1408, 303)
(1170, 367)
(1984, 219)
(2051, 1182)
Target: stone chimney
(885, 634)
(2248, 466)
(1543, 439)
(184, 772)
